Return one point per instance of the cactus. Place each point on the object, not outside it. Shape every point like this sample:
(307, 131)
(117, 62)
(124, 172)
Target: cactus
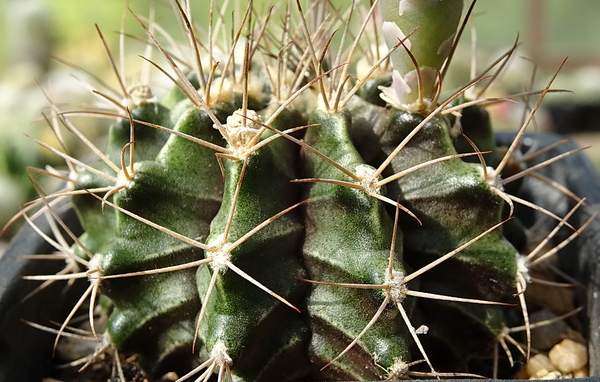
(278, 218)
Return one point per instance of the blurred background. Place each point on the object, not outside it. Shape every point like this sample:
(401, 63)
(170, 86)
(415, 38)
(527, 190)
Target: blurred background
(35, 30)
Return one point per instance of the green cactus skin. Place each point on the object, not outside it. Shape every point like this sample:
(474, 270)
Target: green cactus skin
(98, 222)
(239, 314)
(348, 240)
(215, 197)
(485, 270)
(439, 195)
(475, 124)
(434, 24)
(154, 315)
(148, 141)
(99, 225)
(464, 327)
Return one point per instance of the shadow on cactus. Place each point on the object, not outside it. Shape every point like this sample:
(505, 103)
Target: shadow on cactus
(290, 211)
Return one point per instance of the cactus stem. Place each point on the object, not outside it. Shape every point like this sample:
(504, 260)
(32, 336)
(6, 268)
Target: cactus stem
(178, 267)
(124, 177)
(452, 253)
(415, 337)
(396, 291)
(418, 128)
(367, 180)
(211, 286)
(207, 220)
(207, 247)
(241, 150)
(493, 177)
(402, 173)
(172, 233)
(365, 329)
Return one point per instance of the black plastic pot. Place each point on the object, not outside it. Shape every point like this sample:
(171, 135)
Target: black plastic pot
(26, 352)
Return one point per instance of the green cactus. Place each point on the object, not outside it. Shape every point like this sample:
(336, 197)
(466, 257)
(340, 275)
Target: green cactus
(278, 220)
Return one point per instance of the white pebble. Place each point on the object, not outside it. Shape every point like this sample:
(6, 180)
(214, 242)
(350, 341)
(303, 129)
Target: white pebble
(568, 356)
(539, 365)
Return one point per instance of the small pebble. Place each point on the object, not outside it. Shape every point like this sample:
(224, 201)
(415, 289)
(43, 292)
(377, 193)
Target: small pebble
(539, 365)
(581, 373)
(171, 376)
(568, 356)
(551, 375)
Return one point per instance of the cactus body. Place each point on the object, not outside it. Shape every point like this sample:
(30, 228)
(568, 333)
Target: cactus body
(212, 187)
(165, 300)
(238, 314)
(348, 240)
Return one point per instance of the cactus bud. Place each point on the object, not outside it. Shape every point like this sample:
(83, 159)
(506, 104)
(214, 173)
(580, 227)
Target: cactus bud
(434, 23)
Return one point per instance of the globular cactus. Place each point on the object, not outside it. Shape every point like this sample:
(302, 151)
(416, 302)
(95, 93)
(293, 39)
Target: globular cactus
(274, 218)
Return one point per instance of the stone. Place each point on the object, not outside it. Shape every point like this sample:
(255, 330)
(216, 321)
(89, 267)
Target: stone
(539, 365)
(568, 356)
